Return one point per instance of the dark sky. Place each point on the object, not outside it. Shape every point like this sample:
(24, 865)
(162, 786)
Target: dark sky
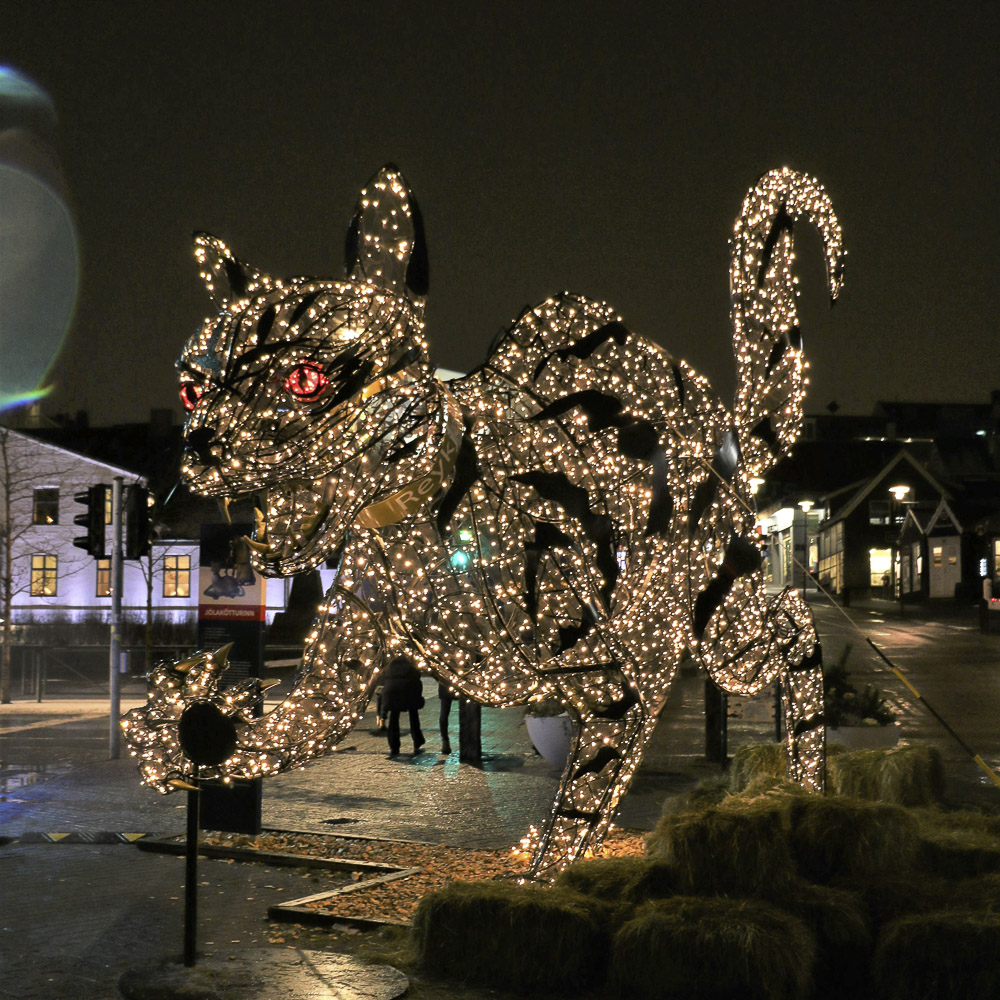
(603, 149)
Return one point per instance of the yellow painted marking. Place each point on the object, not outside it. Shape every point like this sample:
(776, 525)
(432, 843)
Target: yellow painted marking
(56, 837)
(994, 777)
(62, 721)
(133, 837)
(913, 690)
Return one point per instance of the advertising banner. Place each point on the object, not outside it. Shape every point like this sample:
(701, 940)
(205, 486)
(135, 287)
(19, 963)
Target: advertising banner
(231, 603)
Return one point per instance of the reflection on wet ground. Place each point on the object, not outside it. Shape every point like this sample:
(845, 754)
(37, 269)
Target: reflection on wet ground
(14, 777)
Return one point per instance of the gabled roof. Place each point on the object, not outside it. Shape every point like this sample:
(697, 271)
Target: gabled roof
(902, 458)
(33, 441)
(941, 515)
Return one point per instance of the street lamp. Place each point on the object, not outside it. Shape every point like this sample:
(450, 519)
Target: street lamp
(898, 494)
(806, 505)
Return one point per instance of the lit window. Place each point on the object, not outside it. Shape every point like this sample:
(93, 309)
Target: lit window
(45, 506)
(103, 577)
(878, 512)
(44, 573)
(176, 576)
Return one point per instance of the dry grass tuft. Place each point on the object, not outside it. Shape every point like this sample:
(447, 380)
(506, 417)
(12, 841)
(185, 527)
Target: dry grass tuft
(704, 795)
(625, 881)
(513, 937)
(840, 924)
(891, 895)
(905, 776)
(953, 955)
(981, 893)
(959, 844)
(740, 848)
(757, 760)
(840, 838)
(712, 948)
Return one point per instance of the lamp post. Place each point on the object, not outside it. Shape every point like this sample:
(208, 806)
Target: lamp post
(806, 505)
(898, 495)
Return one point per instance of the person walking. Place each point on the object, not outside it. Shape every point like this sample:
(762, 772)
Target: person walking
(402, 691)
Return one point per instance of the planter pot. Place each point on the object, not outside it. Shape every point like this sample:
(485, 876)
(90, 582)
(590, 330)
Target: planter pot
(551, 736)
(865, 737)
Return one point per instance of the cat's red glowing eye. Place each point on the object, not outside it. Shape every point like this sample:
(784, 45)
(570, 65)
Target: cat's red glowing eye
(190, 394)
(307, 381)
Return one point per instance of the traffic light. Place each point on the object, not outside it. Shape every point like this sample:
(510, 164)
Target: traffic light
(138, 523)
(95, 500)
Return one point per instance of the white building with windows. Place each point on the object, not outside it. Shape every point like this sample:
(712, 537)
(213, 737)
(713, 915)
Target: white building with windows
(49, 578)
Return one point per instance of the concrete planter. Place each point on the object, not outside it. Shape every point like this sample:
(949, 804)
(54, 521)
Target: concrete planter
(865, 737)
(551, 736)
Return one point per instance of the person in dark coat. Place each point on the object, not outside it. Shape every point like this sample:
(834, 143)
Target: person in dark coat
(402, 692)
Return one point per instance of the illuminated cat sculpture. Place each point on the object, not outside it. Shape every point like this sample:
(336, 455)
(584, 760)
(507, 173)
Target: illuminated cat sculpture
(564, 522)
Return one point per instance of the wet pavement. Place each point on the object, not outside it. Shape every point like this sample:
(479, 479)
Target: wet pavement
(74, 917)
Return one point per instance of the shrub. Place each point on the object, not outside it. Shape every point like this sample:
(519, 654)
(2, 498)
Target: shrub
(712, 948)
(907, 775)
(839, 837)
(953, 955)
(844, 705)
(512, 937)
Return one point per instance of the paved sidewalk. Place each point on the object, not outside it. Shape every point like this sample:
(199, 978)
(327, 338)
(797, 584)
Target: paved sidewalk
(73, 917)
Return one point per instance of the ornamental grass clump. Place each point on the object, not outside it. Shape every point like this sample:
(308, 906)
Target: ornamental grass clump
(740, 848)
(905, 776)
(622, 882)
(513, 937)
(844, 705)
(836, 837)
(712, 948)
(953, 955)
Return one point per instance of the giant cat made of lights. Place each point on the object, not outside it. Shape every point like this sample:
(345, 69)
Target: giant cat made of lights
(566, 521)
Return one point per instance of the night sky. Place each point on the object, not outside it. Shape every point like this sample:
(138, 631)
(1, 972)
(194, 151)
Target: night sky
(598, 148)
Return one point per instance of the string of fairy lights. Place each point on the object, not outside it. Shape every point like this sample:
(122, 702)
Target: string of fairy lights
(563, 523)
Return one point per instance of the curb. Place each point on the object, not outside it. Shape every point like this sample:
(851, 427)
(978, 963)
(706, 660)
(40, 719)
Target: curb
(167, 845)
(296, 910)
(98, 837)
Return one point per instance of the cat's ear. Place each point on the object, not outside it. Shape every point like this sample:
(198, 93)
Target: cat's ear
(226, 277)
(385, 242)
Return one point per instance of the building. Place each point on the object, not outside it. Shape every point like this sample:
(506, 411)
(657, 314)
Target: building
(828, 513)
(48, 578)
